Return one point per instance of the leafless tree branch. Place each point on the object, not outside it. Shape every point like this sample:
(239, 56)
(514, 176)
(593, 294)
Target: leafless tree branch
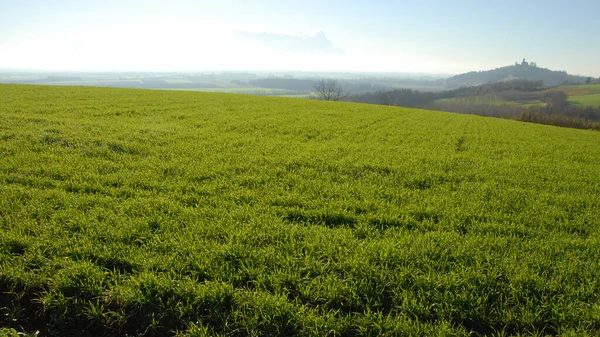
(329, 90)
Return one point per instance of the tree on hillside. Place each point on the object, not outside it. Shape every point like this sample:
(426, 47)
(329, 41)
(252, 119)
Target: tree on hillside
(329, 90)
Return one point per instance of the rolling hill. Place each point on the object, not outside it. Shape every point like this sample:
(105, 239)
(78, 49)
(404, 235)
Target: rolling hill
(524, 70)
(140, 212)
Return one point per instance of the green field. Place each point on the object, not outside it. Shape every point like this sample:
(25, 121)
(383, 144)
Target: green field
(586, 95)
(589, 100)
(144, 212)
(492, 100)
(245, 90)
(579, 90)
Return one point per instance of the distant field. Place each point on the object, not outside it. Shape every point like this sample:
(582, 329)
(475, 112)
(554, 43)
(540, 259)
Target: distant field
(143, 212)
(19, 77)
(579, 90)
(178, 81)
(581, 94)
(592, 100)
(493, 100)
(587, 95)
(421, 87)
(96, 83)
(246, 90)
(295, 96)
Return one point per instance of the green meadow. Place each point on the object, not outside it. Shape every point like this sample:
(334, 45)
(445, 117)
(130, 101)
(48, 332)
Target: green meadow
(584, 95)
(492, 100)
(587, 100)
(246, 91)
(146, 212)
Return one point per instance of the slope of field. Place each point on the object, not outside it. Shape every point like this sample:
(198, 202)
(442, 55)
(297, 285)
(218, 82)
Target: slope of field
(586, 95)
(588, 100)
(580, 90)
(132, 212)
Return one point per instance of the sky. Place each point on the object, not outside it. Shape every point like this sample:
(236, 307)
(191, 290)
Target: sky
(419, 36)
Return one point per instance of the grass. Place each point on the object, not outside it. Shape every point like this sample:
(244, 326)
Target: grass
(588, 100)
(132, 212)
(586, 95)
(579, 90)
(492, 100)
(245, 90)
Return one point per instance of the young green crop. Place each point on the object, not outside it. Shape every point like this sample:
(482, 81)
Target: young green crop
(129, 212)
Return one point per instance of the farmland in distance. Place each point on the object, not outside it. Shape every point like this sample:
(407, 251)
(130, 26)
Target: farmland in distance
(143, 212)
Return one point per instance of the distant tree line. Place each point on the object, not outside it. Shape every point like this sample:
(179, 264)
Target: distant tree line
(350, 86)
(530, 115)
(397, 97)
(284, 83)
(416, 98)
(553, 108)
(514, 85)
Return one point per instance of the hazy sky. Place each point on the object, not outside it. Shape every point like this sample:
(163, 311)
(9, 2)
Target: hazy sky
(439, 36)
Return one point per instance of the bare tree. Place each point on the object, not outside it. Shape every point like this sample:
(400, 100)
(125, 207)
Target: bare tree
(329, 90)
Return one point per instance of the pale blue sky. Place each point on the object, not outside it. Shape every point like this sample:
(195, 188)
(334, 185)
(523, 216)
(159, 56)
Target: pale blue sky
(438, 36)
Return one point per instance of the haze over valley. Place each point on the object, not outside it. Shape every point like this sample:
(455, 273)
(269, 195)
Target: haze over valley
(430, 36)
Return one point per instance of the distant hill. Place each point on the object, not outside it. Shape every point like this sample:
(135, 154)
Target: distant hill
(523, 70)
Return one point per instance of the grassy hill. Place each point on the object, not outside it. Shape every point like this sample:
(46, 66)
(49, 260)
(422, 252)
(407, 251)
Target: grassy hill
(524, 71)
(132, 212)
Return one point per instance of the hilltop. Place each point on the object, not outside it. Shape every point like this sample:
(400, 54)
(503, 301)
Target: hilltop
(141, 212)
(524, 70)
